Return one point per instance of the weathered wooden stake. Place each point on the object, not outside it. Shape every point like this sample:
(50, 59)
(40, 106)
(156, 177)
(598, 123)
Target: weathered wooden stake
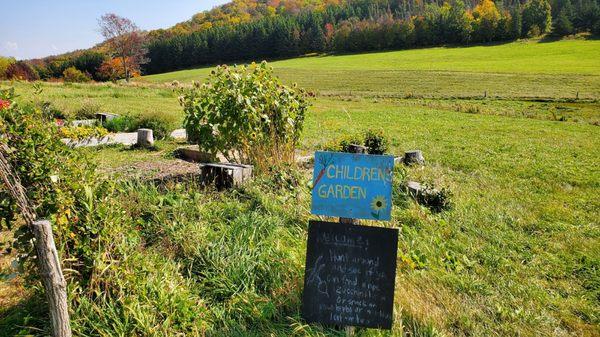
(350, 330)
(47, 258)
(52, 277)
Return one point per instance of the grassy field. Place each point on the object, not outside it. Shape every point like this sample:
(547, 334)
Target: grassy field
(518, 255)
(517, 69)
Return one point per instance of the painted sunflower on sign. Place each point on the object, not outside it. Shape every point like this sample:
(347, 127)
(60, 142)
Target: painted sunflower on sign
(378, 204)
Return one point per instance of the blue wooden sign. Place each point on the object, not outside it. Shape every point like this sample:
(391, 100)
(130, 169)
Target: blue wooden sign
(352, 185)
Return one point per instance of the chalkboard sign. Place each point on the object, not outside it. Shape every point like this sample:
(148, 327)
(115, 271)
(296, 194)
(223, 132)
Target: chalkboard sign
(350, 275)
(351, 185)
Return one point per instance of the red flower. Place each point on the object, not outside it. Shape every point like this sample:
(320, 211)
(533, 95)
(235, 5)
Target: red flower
(4, 104)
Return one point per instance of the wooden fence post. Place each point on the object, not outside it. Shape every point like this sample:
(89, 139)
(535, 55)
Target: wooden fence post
(47, 260)
(353, 148)
(52, 277)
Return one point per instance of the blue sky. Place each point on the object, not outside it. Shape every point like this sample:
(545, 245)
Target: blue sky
(38, 28)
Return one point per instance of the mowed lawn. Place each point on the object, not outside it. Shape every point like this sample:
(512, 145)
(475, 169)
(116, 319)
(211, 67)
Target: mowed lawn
(526, 69)
(520, 252)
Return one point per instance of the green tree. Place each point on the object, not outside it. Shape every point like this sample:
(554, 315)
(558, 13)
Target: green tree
(89, 62)
(537, 13)
(587, 15)
(562, 24)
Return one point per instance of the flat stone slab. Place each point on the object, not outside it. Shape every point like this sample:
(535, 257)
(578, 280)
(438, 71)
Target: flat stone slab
(193, 154)
(125, 138)
(179, 134)
(414, 188)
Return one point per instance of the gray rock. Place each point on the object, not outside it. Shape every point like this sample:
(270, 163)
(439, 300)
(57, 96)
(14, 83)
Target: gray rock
(179, 134)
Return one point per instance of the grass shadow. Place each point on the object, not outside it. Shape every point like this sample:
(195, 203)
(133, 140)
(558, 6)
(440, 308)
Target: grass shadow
(26, 318)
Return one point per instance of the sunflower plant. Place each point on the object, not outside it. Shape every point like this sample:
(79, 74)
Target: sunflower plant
(247, 114)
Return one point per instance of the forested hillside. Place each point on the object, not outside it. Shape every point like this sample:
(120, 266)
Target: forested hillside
(361, 25)
(242, 11)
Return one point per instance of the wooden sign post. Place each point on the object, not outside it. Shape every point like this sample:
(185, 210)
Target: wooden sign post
(350, 221)
(350, 270)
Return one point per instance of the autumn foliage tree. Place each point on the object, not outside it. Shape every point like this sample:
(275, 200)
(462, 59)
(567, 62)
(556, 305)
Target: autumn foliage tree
(125, 41)
(486, 19)
(113, 69)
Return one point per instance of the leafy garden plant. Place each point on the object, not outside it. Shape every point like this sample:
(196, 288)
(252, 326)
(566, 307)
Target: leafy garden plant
(54, 176)
(374, 140)
(247, 114)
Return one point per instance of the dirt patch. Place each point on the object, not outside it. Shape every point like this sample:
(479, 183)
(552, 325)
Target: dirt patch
(156, 169)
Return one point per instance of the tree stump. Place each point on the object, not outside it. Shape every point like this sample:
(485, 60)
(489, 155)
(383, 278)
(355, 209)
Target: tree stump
(145, 138)
(355, 148)
(414, 157)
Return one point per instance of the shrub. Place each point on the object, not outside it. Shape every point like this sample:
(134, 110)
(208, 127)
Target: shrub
(51, 110)
(120, 124)
(376, 142)
(53, 175)
(161, 124)
(342, 144)
(82, 132)
(434, 199)
(21, 70)
(247, 114)
(75, 75)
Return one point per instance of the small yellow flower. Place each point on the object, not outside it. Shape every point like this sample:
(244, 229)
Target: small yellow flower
(379, 203)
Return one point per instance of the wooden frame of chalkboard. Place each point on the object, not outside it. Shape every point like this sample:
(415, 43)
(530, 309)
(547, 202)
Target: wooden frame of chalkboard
(350, 275)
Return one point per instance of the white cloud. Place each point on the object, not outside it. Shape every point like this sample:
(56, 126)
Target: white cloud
(11, 46)
(54, 47)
